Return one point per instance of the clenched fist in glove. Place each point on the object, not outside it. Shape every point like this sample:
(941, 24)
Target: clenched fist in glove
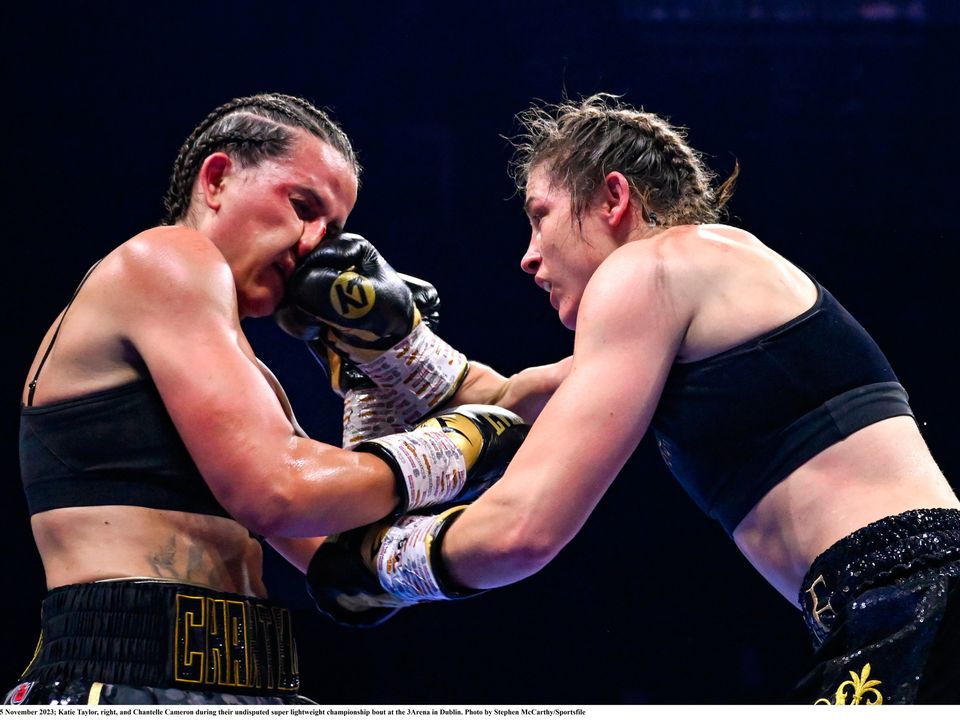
(333, 292)
(371, 411)
(346, 296)
(362, 577)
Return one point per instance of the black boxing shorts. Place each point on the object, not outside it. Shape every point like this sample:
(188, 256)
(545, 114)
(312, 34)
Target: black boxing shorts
(883, 609)
(155, 642)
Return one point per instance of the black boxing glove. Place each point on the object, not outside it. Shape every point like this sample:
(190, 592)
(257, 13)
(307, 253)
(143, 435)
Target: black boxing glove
(371, 411)
(344, 375)
(333, 292)
(452, 456)
(363, 577)
(342, 579)
(345, 296)
(426, 298)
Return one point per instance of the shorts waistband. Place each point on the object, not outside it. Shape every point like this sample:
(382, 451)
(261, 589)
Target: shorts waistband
(162, 634)
(884, 551)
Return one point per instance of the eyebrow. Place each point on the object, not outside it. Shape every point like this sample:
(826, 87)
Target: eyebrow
(526, 205)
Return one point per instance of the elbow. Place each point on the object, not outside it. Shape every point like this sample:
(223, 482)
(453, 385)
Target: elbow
(264, 513)
(325, 491)
(262, 521)
(504, 556)
(527, 553)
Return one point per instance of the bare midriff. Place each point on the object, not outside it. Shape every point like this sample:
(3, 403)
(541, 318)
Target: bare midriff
(881, 470)
(89, 544)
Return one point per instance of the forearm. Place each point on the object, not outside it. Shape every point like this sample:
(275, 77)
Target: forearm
(362, 576)
(525, 393)
(488, 547)
(312, 489)
(568, 460)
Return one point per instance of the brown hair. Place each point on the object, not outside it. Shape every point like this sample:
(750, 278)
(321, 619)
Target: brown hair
(581, 142)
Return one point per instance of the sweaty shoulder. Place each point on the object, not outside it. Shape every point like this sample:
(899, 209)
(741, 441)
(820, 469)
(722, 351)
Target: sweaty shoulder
(171, 268)
(730, 285)
(685, 282)
(692, 258)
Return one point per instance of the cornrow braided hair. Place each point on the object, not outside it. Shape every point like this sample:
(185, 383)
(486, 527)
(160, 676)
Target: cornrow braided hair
(250, 129)
(581, 142)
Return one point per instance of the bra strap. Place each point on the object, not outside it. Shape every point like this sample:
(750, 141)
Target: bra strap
(46, 354)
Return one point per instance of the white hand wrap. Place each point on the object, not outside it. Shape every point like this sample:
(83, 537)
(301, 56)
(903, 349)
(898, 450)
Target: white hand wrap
(404, 564)
(432, 467)
(424, 370)
(369, 413)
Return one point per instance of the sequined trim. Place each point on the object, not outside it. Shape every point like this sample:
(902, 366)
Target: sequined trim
(879, 553)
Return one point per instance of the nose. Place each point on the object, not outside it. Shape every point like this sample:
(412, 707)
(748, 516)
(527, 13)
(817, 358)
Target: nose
(530, 262)
(312, 235)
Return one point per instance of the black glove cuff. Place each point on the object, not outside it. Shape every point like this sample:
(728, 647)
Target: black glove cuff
(375, 448)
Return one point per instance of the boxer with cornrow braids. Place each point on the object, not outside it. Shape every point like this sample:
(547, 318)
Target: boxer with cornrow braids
(157, 451)
(251, 128)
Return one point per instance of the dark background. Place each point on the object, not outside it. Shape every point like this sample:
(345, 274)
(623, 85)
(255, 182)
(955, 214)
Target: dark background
(843, 116)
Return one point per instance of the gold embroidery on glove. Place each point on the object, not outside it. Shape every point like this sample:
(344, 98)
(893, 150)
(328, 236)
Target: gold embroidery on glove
(859, 687)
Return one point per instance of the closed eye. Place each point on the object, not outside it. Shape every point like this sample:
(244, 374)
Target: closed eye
(305, 210)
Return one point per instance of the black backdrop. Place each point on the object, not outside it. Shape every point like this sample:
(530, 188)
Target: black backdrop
(842, 116)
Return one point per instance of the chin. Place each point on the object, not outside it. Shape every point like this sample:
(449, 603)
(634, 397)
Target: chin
(261, 305)
(568, 318)
(258, 312)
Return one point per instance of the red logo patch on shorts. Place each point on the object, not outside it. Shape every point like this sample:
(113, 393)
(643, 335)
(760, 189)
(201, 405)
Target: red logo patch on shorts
(20, 693)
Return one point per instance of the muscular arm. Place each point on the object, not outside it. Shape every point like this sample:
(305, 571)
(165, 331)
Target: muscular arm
(630, 327)
(524, 393)
(181, 318)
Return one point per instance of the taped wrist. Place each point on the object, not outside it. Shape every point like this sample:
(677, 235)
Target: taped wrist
(372, 412)
(422, 368)
(410, 564)
(429, 467)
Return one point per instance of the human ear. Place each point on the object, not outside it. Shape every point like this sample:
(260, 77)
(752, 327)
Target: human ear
(213, 172)
(616, 190)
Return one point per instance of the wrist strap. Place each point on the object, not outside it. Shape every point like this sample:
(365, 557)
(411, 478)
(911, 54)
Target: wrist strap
(429, 467)
(423, 368)
(409, 565)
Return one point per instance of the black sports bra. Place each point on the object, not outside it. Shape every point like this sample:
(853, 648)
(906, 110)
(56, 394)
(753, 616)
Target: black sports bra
(113, 447)
(732, 426)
